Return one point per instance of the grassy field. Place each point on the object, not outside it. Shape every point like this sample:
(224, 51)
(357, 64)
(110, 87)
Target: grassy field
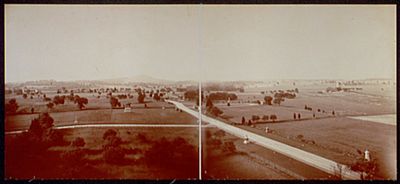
(338, 139)
(154, 114)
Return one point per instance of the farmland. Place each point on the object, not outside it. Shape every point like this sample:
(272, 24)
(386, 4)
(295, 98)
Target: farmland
(334, 125)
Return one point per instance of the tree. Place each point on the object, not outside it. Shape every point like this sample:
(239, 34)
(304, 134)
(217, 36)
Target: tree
(11, 106)
(81, 101)
(141, 97)
(25, 96)
(156, 97)
(268, 100)
(243, 120)
(113, 152)
(265, 117)
(114, 102)
(50, 105)
(58, 100)
(273, 117)
(40, 127)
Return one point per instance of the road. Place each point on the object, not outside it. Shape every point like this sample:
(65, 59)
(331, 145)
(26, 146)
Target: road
(311, 159)
(113, 125)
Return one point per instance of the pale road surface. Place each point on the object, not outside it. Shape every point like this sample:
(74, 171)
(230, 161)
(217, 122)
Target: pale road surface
(311, 159)
(116, 125)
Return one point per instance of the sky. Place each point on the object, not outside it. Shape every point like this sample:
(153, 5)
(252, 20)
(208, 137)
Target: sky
(199, 42)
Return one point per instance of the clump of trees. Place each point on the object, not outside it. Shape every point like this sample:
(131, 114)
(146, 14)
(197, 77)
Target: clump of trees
(215, 140)
(191, 95)
(50, 105)
(11, 106)
(278, 100)
(42, 134)
(164, 153)
(222, 96)
(80, 101)
(59, 99)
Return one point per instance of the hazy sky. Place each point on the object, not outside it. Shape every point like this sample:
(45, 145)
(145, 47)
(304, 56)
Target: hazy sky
(77, 42)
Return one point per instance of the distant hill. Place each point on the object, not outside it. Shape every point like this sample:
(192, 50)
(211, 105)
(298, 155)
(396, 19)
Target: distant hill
(136, 79)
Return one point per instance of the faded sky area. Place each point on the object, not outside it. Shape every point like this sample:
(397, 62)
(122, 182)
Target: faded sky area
(191, 42)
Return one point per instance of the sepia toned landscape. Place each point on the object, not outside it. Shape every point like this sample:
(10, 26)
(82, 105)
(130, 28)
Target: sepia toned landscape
(194, 92)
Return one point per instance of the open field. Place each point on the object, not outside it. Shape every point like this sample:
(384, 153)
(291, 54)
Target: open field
(140, 115)
(252, 161)
(338, 139)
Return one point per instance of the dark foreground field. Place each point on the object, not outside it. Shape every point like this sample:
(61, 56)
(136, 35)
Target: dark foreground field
(139, 153)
